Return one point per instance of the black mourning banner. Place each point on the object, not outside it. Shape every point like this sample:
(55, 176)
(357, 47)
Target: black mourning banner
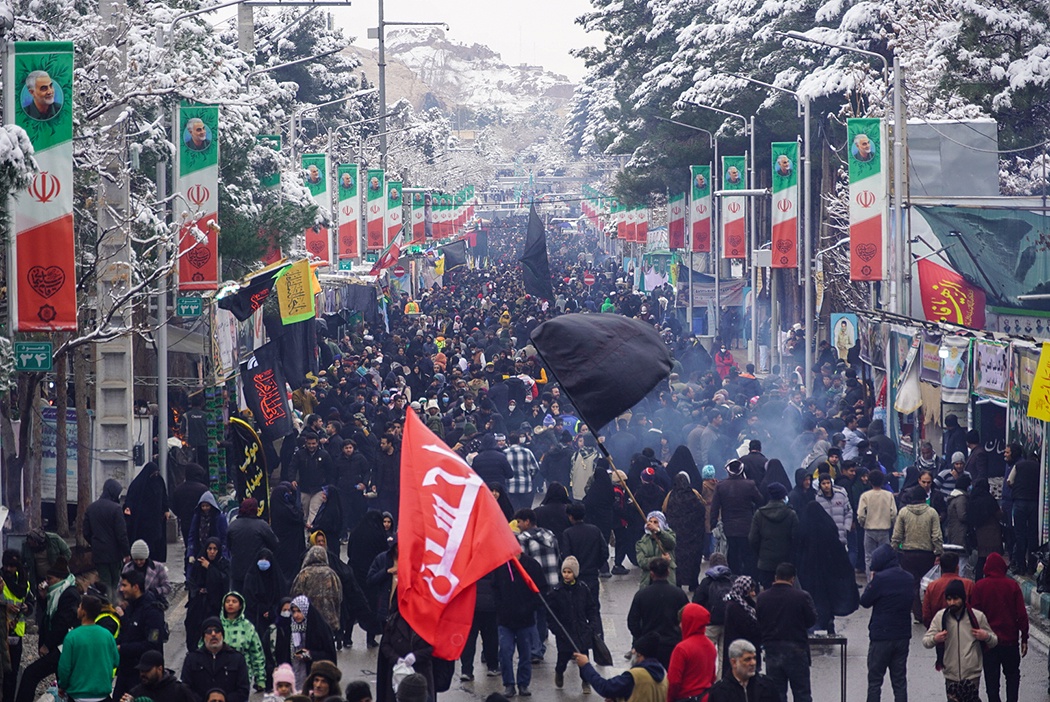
(252, 475)
(249, 298)
(535, 267)
(264, 392)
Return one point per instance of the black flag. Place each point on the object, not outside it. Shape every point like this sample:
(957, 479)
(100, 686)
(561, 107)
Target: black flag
(250, 297)
(605, 363)
(264, 392)
(251, 477)
(535, 268)
(455, 254)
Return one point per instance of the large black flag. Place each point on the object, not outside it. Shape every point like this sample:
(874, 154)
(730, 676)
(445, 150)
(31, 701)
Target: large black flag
(264, 392)
(605, 363)
(250, 297)
(455, 254)
(534, 264)
(251, 478)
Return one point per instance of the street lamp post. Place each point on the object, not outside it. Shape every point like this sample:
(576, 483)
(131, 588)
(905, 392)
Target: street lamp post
(807, 232)
(294, 123)
(900, 246)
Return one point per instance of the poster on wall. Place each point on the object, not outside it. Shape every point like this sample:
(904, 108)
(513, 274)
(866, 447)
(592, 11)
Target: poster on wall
(931, 358)
(843, 333)
(873, 343)
(955, 378)
(990, 368)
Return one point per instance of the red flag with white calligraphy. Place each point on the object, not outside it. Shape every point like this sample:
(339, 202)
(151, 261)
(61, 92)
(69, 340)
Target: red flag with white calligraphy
(946, 295)
(451, 533)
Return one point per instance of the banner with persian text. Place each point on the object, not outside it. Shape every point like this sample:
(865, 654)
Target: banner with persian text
(197, 201)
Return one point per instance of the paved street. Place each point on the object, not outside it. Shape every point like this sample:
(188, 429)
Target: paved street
(924, 683)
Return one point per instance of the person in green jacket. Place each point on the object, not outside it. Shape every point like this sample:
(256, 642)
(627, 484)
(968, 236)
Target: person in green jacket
(89, 657)
(241, 635)
(659, 542)
(608, 306)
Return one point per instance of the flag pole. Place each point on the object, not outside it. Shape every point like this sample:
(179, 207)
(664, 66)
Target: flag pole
(535, 589)
(593, 433)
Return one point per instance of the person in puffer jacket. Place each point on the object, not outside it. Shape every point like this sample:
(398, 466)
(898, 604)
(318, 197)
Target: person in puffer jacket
(835, 502)
(889, 595)
(692, 669)
(240, 635)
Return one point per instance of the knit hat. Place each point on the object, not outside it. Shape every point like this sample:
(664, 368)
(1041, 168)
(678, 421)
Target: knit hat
(139, 550)
(209, 622)
(648, 475)
(955, 588)
(709, 472)
(413, 689)
(60, 569)
(249, 507)
(284, 674)
(469, 429)
(777, 491)
(572, 564)
(958, 457)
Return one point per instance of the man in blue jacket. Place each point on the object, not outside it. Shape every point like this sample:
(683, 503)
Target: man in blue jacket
(889, 594)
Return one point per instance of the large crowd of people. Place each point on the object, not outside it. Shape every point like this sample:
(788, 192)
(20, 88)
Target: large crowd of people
(748, 509)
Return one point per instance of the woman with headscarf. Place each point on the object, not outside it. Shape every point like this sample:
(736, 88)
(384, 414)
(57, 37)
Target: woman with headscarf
(982, 515)
(600, 500)
(206, 583)
(775, 473)
(824, 568)
(321, 585)
(686, 515)
(367, 540)
(741, 620)
(707, 494)
(207, 522)
(303, 636)
(286, 520)
(551, 512)
(146, 510)
(658, 542)
(818, 454)
(263, 589)
(502, 499)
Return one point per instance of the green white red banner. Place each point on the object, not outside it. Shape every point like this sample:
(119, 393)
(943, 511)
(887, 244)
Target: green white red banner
(394, 210)
(734, 224)
(375, 213)
(41, 254)
(197, 202)
(641, 224)
(273, 178)
(785, 204)
(676, 221)
(700, 208)
(315, 178)
(349, 191)
(868, 200)
(419, 221)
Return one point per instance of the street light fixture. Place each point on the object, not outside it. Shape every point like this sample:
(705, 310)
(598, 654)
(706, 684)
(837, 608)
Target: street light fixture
(293, 125)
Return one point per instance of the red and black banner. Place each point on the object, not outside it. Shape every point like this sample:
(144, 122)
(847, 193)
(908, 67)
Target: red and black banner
(252, 476)
(265, 393)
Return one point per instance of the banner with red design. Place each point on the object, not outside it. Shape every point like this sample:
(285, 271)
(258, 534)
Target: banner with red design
(868, 200)
(700, 208)
(375, 202)
(419, 219)
(315, 178)
(394, 210)
(42, 272)
(348, 209)
(676, 221)
(734, 224)
(947, 296)
(785, 204)
(641, 225)
(197, 203)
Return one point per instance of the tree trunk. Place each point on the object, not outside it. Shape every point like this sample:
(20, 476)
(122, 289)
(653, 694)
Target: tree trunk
(80, 384)
(32, 435)
(61, 442)
(12, 468)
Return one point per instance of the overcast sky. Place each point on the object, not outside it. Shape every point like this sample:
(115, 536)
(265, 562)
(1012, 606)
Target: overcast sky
(538, 32)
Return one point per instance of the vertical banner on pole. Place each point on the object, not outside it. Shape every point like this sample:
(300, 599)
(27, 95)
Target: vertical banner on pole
(376, 209)
(394, 213)
(641, 225)
(41, 254)
(734, 239)
(315, 167)
(631, 215)
(785, 204)
(868, 201)
(273, 178)
(676, 221)
(419, 222)
(347, 177)
(197, 204)
(700, 208)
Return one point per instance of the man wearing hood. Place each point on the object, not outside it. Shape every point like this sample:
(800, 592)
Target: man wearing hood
(1000, 598)
(216, 664)
(107, 532)
(802, 494)
(774, 532)
(889, 595)
(961, 635)
(917, 535)
(646, 680)
(240, 635)
(692, 669)
(491, 463)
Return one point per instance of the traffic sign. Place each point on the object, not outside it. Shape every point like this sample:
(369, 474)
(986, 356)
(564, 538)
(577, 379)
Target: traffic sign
(346, 264)
(588, 278)
(33, 356)
(399, 271)
(189, 306)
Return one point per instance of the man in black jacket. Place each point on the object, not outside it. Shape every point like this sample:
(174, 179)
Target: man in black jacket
(889, 594)
(785, 615)
(491, 463)
(354, 479)
(107, 532)
(734, 502)
(247, 534)
(310, 469)
(586, 543)
(387, 475)
(743, 683)
(754, 462)
(655, 609)
(142, 629)
(517, 604)
(58, 619)
(215, 664)
(156, 682)
(1023, 478)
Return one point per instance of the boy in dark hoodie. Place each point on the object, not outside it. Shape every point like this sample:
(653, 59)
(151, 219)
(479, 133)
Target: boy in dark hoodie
(571, 602)
(647, 674)
(716, 584)
(1000, 598)
(889, 595)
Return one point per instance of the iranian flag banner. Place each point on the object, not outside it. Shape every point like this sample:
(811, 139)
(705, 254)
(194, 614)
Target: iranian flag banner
(394, 214)
(349, 213)
(676, 221)
(41, 255)
(631, 215)
(620, 218)
(419, 220)
(315, 178)
(641, 225)
(375, 202)
(785, 204)
(700, 208)
(734, 224)
(197, 201)
(868, 201)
